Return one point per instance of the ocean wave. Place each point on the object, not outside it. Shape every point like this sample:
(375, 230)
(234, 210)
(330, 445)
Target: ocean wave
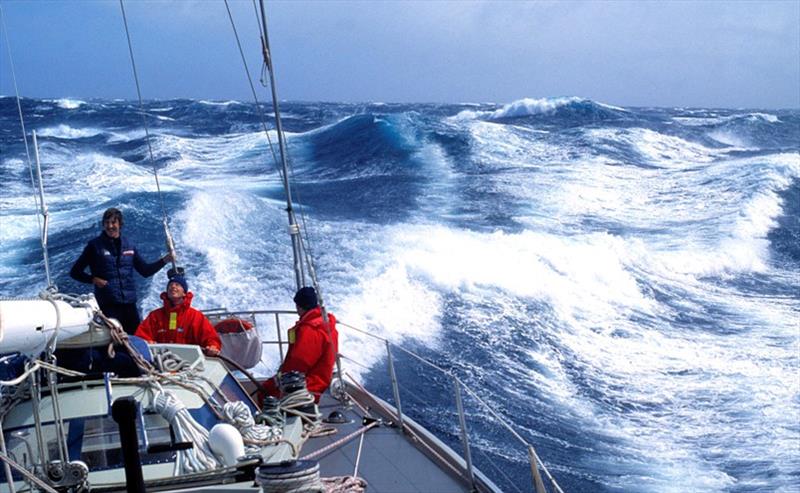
(710, 120)
(63, 131)
(656, 148)
(67, 103)
(218, 103)
(613, 282)
(560, 107)
(362, 145)
(98, 177)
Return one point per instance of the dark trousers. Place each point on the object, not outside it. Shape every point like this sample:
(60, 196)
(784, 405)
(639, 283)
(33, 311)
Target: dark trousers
(126, 313)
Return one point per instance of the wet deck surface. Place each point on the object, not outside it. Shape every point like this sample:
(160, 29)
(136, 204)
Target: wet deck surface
(389, 462)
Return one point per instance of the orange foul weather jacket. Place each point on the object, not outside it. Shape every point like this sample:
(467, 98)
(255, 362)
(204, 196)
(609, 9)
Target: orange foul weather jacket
(180, 324)
(312, 351)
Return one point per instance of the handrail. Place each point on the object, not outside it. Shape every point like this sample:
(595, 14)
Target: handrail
(536, 462)
(502, 421)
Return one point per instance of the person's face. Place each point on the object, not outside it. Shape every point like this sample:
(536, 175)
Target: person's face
(175, 292)
(112, 227)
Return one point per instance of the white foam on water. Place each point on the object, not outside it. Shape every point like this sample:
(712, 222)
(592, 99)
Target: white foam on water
(657, 148)
(106, 177)
(693, 121)
(729, 138)
(512, 146)
(767, 117)
(116, 137)
(63, 131)
(667, 390)
(67, 103)
(590, 283)
(218, 103)
(659, 383)
(530, 107)
(582, 277)
(17, 227)
(703, 213)
(208, 149)
(739, 242)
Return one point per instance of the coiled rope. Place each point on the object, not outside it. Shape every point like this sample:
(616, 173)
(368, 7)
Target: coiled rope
(254, 435)
(198, 458)
(167, 361)
(344, 484)
(304, 480)
(295, 404)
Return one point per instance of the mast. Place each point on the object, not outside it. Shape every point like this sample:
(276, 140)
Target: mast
(294, 229)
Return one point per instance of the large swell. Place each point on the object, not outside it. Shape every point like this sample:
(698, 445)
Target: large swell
(620, 283)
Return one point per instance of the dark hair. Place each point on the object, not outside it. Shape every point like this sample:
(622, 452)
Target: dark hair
(112, 213)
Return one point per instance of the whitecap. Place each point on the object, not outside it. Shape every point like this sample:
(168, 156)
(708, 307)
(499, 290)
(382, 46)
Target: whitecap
(68, 104)
(531, 107)
(63, 131)
(218, 103)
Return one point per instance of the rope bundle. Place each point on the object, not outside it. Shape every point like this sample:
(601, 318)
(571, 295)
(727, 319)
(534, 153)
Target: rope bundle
(344, 484)
(168, 361)
(197, 459)
(301, 403)
(238, 414)
(301, 477)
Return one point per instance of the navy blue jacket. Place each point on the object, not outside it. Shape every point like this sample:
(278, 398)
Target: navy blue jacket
(113, 260)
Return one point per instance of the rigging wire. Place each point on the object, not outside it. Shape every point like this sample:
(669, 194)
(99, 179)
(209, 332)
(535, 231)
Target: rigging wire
(170, 244)
(294, 230)
(260, 110)
(303, 230)
(306, 247)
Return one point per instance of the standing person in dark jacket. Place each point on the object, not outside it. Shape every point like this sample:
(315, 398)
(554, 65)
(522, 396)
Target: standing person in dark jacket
(111, 259)
(313, 345)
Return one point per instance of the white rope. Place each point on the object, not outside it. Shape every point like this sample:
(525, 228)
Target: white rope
(238, 414)
(197, 459)
(344, 484)
(168, 361)
(292, 403)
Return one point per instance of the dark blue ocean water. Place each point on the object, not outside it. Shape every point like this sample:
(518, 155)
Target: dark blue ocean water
(623, 284)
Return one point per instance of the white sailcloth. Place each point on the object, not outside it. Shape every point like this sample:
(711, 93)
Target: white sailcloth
(27, 325)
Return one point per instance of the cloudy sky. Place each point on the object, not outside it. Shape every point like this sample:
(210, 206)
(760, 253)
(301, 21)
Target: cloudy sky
(628, 53)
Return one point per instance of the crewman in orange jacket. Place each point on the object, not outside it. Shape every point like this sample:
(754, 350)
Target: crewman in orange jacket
(313, 345)
(177, 322)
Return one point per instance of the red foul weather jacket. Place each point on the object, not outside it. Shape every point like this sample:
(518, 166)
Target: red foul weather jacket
(312, 351)
(180, 324)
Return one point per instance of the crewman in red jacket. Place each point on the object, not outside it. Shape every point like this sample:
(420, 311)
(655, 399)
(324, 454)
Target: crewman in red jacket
(313, 345)
(177, 322)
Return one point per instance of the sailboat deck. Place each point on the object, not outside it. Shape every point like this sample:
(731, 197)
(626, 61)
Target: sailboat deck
(389, 460)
